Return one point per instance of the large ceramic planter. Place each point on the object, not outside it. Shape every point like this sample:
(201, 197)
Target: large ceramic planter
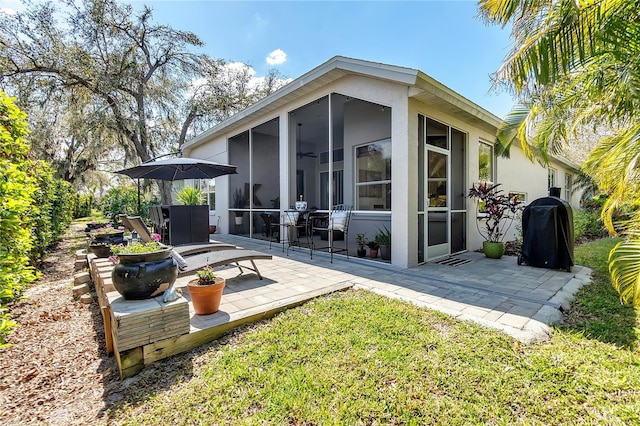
(206, 298)
(492, 249)
(101, 250)
(144, 275)
(115, 237)
(385, 252)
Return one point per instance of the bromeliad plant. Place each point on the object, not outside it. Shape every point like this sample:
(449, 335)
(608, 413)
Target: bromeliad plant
(496, 209)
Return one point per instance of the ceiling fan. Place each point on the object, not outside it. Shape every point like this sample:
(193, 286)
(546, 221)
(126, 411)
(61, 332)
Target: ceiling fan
(301, 154)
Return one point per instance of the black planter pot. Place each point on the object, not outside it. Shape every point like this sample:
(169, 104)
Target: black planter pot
(116, 237)
(100, 250)
(144, 275)
(362, 252)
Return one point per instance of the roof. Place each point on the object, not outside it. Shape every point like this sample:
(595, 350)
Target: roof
(422, 87)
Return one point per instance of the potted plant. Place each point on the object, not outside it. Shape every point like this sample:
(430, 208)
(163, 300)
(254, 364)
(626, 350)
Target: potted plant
(103, 237)
(496, 212)
(206, 291)
(238, 203)
(373, 248)
(190, 196)
(143, 270)
(361, 241)
(383, 238)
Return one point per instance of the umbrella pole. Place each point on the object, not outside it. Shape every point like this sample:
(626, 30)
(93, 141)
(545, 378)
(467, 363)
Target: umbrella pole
(139, 212)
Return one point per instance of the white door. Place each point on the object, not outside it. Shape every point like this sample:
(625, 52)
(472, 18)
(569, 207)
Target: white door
(437, 205)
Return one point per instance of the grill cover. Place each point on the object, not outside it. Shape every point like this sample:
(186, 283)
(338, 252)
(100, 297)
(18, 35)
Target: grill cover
(547, 227)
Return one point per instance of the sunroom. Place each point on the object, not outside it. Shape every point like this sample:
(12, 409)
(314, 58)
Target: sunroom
(396, 145)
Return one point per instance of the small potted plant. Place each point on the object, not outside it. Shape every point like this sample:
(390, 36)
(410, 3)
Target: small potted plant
(383, 238)
(143, 270)
(206, 291)
(496, 212)
(361, 241)
(373, 248)
(238, 203)
(102, 238)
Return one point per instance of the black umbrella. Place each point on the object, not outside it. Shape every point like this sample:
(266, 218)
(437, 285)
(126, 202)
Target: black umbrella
(177, 169)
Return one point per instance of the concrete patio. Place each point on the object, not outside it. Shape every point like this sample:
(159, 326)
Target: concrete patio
(522, 301)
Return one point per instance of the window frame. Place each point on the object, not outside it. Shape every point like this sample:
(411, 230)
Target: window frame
(552, 177)
(492, 162)
(356, 175)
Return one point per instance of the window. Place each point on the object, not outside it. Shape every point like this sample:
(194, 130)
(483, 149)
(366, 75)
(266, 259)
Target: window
(373, 176)
(209, 191)
(553, 173)
(485, 162)
(568, 186)
(522, 196)
(338, 185)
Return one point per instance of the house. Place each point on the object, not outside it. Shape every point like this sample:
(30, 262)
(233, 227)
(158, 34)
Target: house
(394, 143)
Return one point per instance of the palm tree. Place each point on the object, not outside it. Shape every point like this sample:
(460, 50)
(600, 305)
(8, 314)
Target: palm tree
(574, 66)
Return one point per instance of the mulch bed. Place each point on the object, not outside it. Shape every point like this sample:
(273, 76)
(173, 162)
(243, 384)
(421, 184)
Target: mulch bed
(57, 370)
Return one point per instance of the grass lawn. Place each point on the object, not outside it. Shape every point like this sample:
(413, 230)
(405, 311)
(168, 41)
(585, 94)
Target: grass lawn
(359, 358)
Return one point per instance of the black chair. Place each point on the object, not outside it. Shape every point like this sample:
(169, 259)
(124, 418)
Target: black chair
(336, 227)
(271, 227)
(293, 225)
(160, 223)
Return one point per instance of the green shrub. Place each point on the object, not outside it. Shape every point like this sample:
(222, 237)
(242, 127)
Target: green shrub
(587, 224)
(83, 205)
(52, 211)
(17, 188)
(124, 200)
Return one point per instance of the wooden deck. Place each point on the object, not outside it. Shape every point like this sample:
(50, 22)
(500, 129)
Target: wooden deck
(141, 332)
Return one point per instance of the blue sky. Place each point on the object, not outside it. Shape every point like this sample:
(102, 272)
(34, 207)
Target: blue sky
(444, 39)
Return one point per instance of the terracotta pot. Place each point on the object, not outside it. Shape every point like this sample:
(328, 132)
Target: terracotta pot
(373, 253)
(206, 298)
(212, 229)
(492, 249)
(144, 275)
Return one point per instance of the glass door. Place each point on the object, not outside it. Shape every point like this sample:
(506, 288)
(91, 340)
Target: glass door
(437, 202)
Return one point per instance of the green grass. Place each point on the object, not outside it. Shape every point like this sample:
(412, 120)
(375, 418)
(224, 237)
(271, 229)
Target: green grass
(359, 358)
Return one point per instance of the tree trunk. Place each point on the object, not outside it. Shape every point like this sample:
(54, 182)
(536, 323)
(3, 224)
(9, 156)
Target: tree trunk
(165, 191)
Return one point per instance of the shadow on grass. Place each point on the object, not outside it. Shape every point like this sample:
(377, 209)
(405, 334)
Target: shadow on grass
(596, 311)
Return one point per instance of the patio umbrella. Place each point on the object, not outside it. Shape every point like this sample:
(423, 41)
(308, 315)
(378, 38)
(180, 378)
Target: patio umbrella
(177, 169)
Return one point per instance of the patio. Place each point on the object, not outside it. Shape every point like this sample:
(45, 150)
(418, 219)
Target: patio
(521, 301)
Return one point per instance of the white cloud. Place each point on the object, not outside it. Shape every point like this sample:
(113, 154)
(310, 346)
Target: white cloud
(7, 11)
(276, 57)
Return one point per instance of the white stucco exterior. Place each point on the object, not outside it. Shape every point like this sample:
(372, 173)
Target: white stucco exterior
(365, 102)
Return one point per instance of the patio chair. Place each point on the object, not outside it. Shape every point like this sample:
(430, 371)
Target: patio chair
(201, 255)
(125, 221)
(294, 223)
(221, 258)
(160, 222)
(184, 249)
(336, 223)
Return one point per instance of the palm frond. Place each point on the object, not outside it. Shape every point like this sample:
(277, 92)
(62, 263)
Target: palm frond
(624, 267)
